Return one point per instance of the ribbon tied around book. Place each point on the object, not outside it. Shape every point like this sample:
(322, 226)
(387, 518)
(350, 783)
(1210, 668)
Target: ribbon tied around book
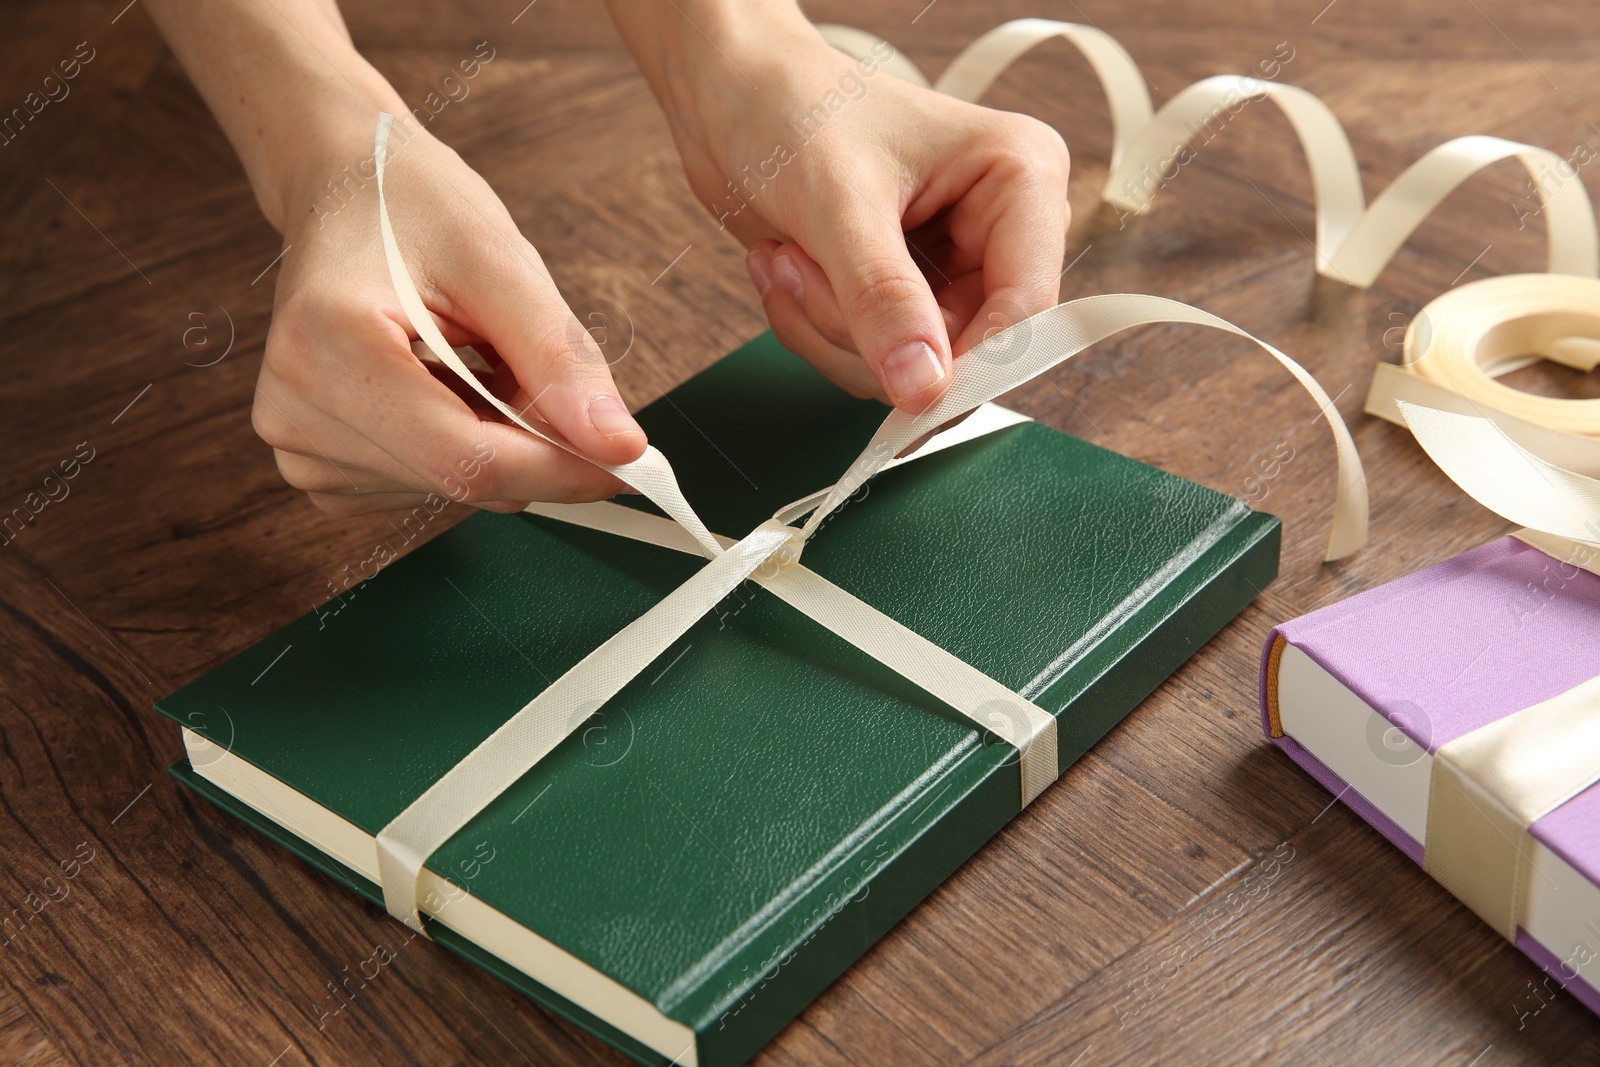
(1502, 446)
(1491, 785)
(770, 556)
(1488, 787)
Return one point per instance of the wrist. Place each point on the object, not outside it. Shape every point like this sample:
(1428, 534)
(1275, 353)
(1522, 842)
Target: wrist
(286, 85)
(323, 157)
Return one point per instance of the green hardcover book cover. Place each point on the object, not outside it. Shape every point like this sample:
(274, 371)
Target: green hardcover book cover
(698, 861)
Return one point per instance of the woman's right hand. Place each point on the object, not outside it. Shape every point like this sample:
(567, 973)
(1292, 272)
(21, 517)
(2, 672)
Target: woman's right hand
(360, 423)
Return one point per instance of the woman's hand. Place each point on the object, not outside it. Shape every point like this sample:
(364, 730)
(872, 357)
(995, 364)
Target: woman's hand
(354, 418)
(889, 227)
(361, 424)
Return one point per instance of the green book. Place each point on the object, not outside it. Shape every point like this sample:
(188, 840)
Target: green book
(698, 861)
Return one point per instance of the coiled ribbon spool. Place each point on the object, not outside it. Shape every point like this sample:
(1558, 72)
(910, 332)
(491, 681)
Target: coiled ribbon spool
(1460, 344)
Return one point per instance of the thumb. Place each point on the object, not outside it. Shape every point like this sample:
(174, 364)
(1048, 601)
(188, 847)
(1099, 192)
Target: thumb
(884, 299)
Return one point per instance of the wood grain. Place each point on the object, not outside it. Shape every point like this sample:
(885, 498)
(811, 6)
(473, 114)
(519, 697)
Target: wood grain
(1184, 894)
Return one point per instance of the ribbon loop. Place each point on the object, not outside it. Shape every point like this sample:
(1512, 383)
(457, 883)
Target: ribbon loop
(1022, 352)
(1380, 231)
(1335, 177)
(651, 474)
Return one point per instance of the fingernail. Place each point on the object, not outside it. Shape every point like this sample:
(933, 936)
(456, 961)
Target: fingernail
(610, 418)
(911, 369)
(788, 276)
(760, 271)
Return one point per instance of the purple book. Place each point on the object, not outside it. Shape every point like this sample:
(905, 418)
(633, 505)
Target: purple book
(1362, 693)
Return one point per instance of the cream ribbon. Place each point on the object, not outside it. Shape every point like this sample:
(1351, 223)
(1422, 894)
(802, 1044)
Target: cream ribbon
(770, 554)
(1353, 241)
(651, 474)
(1505, 477)
(1489, 786)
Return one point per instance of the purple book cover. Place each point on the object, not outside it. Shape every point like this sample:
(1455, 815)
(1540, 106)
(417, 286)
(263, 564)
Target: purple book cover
(1467, 641)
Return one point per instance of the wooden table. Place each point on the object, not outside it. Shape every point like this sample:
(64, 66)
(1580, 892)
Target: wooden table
(1086, 933)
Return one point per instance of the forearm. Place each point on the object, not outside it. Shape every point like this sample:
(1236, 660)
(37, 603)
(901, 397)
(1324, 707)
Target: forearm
(284, 82)
(704, 58)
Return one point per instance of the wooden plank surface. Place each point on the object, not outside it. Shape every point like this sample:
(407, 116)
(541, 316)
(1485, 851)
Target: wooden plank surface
(1185, 894)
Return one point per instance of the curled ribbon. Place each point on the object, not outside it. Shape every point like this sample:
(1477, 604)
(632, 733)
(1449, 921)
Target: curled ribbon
(1353, 241)
(770, 555)
(1461, 341)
